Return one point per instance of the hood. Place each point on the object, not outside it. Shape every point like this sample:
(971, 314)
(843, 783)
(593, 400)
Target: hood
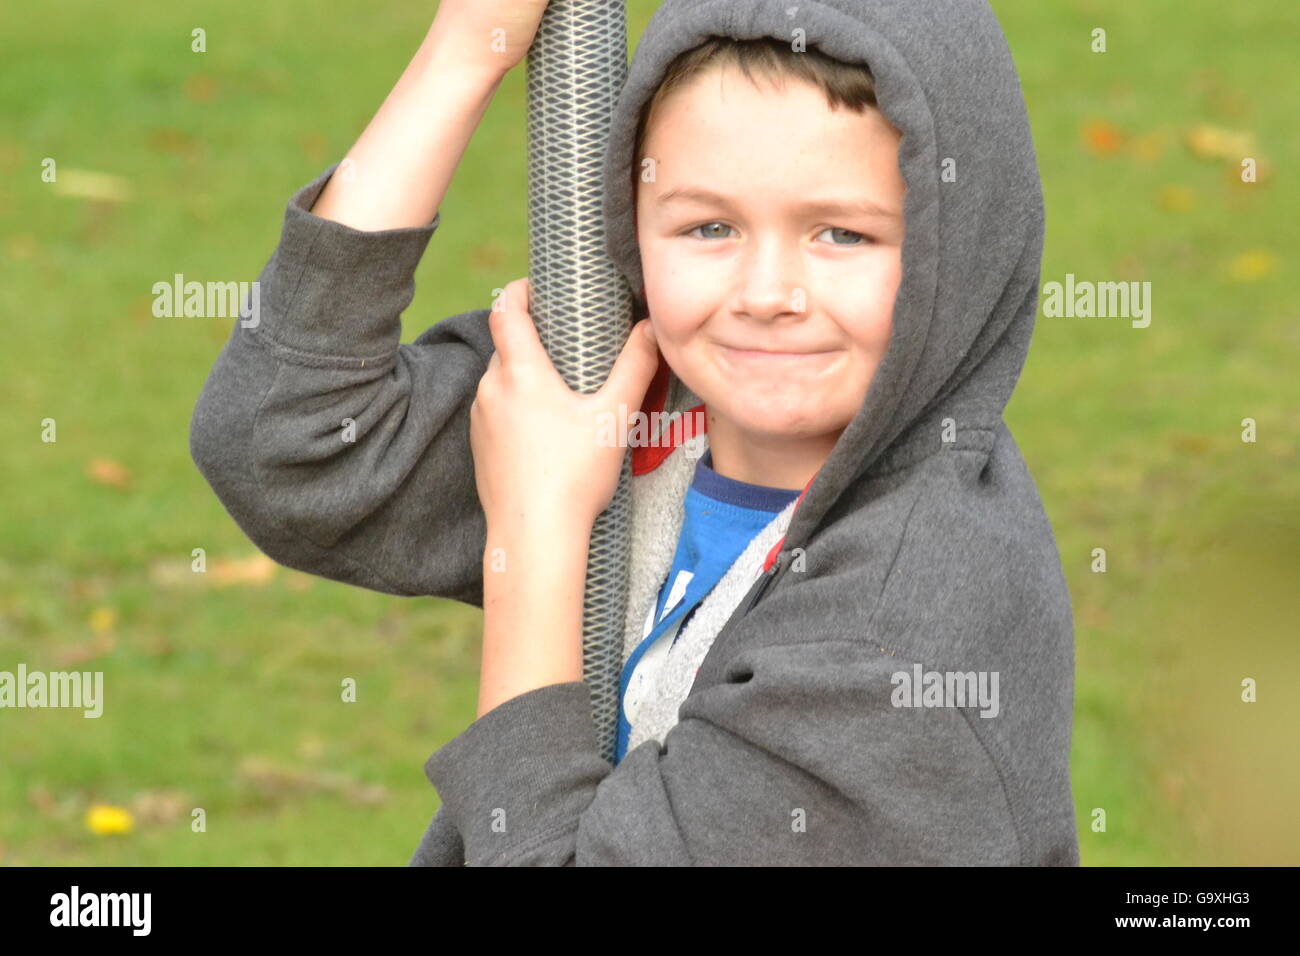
(967, 298)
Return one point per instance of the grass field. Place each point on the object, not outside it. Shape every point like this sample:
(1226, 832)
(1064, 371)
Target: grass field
(224, 695)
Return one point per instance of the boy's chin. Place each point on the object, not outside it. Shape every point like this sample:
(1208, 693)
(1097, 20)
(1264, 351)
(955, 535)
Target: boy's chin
(792, 426)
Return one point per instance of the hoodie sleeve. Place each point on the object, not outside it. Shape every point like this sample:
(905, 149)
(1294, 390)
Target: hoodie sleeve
(799, 758)
(336, 449)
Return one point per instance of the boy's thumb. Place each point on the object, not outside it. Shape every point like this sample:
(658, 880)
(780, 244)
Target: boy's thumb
(635, 366)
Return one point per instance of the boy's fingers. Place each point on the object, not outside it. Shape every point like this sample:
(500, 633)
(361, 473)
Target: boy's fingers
(635, 366)
(513, 332)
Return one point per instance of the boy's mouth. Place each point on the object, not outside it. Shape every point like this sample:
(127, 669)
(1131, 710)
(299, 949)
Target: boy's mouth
(766, 356)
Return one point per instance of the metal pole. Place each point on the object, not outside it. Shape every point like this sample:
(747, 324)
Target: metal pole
(579, 300)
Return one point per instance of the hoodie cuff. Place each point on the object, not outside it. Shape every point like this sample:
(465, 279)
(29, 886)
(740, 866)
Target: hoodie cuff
(332, 294)
(521, 774)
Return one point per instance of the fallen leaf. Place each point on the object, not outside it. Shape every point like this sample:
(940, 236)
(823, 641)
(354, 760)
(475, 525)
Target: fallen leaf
(174, 574)
(106, 471)
(1190, 444)
(488, 256)
(22, 247)
(161, 806)
(1130, 268)
(89, 589)
(226, 572)
(297, 581)
(1215, 142)
(84, 184)
(314, 146)
(1253, 265)
(271, 79)
(76, 654)
(102, 620)
(11, 154)
(141, 309)
(1150, 146)
(311, 747)
(1093, 615)
(67, 807)
(277, 782)
(174, 142)
(200, 88)
(41, 799)
(1177, 198)
(1102, 138)
(97, 228)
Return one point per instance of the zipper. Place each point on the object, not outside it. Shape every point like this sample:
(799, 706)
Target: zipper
(768, 577)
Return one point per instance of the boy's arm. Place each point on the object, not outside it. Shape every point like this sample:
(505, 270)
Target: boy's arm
(398, 170)
(337, 450)
(797, 747)
(799, 759)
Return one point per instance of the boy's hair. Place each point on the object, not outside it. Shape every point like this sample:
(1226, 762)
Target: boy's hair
(844, 84)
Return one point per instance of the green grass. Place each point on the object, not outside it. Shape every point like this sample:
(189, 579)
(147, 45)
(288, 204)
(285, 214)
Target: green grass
(229, 699)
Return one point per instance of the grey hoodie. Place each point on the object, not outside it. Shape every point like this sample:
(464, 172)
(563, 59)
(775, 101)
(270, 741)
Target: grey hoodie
(820, 727)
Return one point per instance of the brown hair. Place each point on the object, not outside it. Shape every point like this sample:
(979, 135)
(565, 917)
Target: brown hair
(844, 84)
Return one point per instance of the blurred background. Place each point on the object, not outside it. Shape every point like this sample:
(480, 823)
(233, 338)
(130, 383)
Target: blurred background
(222, 689)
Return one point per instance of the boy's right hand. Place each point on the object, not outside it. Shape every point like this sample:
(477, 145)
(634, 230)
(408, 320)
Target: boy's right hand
(487, 36)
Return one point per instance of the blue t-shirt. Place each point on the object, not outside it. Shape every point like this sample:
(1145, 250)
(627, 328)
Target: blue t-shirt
(722, 517)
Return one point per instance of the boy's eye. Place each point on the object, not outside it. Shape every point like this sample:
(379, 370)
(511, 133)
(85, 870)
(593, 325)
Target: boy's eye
(833, 229)
(707, 225)
(845, 232)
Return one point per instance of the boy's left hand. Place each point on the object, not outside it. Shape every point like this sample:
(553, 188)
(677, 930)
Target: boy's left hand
(538, 457)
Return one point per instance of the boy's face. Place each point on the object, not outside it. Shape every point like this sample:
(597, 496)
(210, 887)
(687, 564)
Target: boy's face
(759, 270)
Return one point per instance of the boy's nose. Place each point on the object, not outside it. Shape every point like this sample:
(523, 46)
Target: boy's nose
(773, 282)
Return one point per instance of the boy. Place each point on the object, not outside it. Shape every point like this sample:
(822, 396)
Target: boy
(897, 685)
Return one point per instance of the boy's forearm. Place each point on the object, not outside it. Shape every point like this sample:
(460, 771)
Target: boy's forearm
(533, 584)
(398, 171)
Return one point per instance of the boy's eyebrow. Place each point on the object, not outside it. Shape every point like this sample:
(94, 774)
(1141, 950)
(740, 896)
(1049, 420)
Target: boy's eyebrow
(825, 207)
